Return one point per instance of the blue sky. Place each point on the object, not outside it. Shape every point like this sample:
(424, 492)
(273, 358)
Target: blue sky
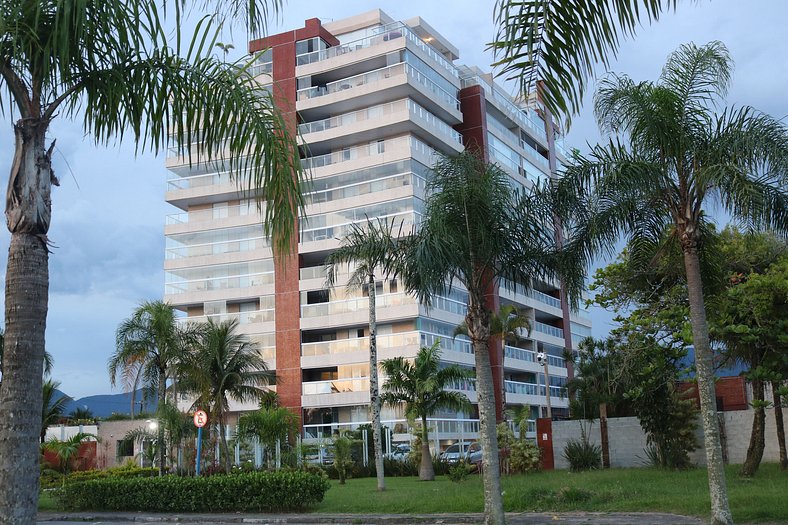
(108, 213)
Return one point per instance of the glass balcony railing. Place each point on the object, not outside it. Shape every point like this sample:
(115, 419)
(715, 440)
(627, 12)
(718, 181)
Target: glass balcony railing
(367, 186)
(336, 386)
(534, 294)
(547, 329)
(219, 283)
(216, 248)
(213, 214)
(253, 317)
(532, 389)
(360, 344)
(522, 354)
(446, 343)
(360, 304)
(377, 75)
(312, 272)
(371, 113)
(337, 231)
(386, 33)
(353, 153)
(419, 112)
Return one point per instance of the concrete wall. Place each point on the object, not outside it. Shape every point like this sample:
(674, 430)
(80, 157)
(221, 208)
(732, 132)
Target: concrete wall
(628, 441)
(109, 433)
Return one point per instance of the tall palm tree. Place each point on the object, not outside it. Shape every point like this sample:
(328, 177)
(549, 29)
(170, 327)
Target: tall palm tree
(53, 406)
(557, 43)
(372, 247)
(421, 385)
(475, 232)
(49, 361)
(678, 158)
(114, 66)
(149, 342)
(224, 365)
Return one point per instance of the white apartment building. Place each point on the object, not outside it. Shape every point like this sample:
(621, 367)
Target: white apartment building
(376, 101)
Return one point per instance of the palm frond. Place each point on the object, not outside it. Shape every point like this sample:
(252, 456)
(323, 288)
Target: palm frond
(560, 42)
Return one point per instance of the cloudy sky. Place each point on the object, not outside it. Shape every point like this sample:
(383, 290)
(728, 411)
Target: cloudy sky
(108, 214)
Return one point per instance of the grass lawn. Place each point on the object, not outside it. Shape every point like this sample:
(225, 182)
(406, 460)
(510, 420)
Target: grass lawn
(763, 498)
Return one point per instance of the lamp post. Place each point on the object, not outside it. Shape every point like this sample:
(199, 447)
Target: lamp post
(541, 357)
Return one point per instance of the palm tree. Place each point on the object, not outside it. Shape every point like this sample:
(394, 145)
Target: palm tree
(68, 450)
(114, 66)
(53, 406)
(224, 365)
(82, 413)
(557, 43)
(680, 157)
(49, 362)
(475, 232)
(421, 385)
(371, 247)
(268, 425)
(149, 344)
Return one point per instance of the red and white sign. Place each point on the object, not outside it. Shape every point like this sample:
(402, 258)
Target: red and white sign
(200, 419)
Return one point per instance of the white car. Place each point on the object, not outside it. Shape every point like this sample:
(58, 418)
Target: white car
(400, 452)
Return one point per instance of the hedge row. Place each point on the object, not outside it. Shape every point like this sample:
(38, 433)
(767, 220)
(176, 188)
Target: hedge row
(250, 492)
(54, 479)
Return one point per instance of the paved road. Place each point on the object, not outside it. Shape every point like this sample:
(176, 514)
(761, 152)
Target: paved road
(529, 518)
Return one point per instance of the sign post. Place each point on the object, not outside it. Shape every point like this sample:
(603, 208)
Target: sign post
(200, 419)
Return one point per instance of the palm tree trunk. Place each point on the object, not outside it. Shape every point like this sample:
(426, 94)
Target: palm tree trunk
(479, 331)
(720, 510)
(28, 209)
(755, 450)
(223, 440)
(604, 435)
(426, 470)
(778, 421)
(374, 390)
(162, 399)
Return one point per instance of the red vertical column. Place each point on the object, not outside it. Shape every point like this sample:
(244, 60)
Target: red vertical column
(474, 137)
(544, 439)
(287, 296)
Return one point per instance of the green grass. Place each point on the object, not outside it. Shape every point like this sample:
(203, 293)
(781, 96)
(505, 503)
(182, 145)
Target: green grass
(762, 498)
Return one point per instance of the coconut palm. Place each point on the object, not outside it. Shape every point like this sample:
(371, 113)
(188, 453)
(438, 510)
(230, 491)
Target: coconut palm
(372, 247)
(116, 68)
(507, 323)
(54, 404)
(150, 343)
(421, 386)
(223, 365)
(49, 362)
(679, 157)
(557, 43)
(476, 231)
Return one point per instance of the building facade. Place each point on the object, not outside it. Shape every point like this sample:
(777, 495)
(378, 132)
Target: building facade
(374, 101)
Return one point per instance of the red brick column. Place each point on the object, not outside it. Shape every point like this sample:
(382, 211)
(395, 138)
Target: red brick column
(544, 438)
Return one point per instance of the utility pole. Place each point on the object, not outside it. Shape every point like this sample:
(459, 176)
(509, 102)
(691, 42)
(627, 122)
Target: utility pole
(542, 358)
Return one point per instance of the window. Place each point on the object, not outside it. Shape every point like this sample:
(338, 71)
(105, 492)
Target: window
(346, 154)
(124, 448)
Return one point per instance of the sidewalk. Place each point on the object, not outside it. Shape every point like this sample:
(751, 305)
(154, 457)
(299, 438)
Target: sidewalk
(525, 518)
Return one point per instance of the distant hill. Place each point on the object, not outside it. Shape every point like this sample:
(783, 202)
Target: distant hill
(104, 405)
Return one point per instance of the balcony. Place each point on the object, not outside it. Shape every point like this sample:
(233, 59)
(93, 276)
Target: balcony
(377, 75)
(387, 33)
(216, 248)
(337, 231)
(243, 318)
(218, 283)
(210, 215)
(547, 329)
(355, 305)
(335, 386)
(360, 344)
(532, 389)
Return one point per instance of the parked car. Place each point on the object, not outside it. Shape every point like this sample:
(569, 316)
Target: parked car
(454, 453)
(400, 452)
(474, 454)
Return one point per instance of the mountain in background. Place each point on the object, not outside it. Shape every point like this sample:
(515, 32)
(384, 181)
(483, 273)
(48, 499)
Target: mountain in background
(105, 404)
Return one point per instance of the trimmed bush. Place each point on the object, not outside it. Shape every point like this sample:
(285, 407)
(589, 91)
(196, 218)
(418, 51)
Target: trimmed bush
(55, 480)
(246, 492)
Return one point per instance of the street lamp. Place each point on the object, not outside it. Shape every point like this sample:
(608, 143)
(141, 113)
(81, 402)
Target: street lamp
(541, 357)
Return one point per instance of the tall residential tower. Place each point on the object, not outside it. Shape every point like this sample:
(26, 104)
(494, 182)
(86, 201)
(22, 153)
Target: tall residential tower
(375, 101)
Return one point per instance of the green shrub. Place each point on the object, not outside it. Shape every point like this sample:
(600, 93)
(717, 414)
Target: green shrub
(525, 456)
(459, 472)
(50, 480)
(582, 454)
(244, 492)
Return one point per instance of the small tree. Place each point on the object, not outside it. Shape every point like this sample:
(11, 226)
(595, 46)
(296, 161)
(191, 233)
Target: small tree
(343, 460)
(67, 451)
(268, 425)
(54, 406)
(422, 386)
